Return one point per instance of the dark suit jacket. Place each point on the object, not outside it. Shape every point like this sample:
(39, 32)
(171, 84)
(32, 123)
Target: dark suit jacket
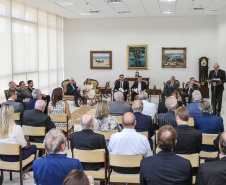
(162, 106)
(37, 118)
(70, 89)
(175, 86)
(119, 108)
(143, 85)
(30, 89)
(167, 119)
(165, 168)
(125, 85)
(88, 140)
(195, 87)
(212, 173)
(189, 140)
(31, 104)
(221, 75)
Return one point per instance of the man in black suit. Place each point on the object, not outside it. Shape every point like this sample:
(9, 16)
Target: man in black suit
(37, 118)
(166, 167)
(218, 73)
(72, 89)
(88, 140)
(189, 140)
(189, 90)
(137, 87)
(123, 86)
(169, 84)
(213, 173)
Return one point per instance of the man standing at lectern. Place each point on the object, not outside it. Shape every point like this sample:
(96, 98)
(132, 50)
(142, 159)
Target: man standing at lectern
(217, 73)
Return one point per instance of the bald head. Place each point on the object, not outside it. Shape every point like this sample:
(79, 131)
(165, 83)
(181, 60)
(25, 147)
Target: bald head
(128, 120)
(137, 106)
(40, 105)
(87, 121)
(118, 96)
(222, 143)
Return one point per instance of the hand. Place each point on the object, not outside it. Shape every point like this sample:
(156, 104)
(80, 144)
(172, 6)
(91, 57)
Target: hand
(78, 89)
(132, 89)
(26, 100)
(43, 95)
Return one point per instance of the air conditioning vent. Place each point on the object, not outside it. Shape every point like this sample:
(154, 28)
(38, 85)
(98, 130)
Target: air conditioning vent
(198, 9)
(113, 1)
(94, 11)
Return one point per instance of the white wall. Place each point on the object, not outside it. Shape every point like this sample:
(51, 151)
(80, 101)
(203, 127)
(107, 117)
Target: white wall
(198, 34)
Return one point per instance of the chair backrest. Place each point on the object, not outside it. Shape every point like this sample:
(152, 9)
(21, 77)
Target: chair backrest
(191, 122)
(34, 131)
(89, 156)
(193, 158)
(169, 81)
(125, 160)
(59, 117)
(64, 85)
(17, 116)
(107, 134)
(207, 139)
(10, 149)
(6, 94)
(94, 82)
(119, 119)
(196, 82)
(144, 134)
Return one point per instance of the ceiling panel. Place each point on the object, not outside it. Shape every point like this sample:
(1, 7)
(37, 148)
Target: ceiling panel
(135, 6)
(166, 6)
(151, 7)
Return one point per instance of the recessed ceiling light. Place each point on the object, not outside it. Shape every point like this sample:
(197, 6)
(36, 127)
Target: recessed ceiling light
(94, 11)
(64, 3)
(113, 1)
(168, 12)
(168, 1)
(211, 10)
(84, 14)
(125, 12)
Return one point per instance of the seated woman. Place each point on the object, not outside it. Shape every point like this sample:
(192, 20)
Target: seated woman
(12, 133)
(104, 121)
(90, 92)
(58, 106)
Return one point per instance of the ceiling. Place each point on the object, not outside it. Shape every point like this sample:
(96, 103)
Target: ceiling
(137, 8)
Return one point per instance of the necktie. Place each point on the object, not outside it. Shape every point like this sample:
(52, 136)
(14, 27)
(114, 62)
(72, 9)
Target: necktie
(121, 85)
(171, 85)
(72, 86)
(215, 73)
(139, 87)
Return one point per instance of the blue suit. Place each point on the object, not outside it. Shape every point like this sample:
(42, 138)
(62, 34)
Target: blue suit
(194, 109)
(53, 169)
(209, 124)
(31, 105)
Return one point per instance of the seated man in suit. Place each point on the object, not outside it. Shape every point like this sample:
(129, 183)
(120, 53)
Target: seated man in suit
(169, 117)
(36, 93)
(214, 172)
(37, 118)
(137, 87)
(72, 89)
(20, 96)
(24, 90)
(122, 86)
(88, 140)
(129, 142)
(208, 123)
(169, 84)
(119, 108)
(189, 140)
(149, 109)
(193, 107)
(166, 167)
(144, 122)
(54, 168)
(18, 107)
(189, 90)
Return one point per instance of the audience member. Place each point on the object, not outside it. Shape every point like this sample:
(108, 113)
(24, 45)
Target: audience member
(20, 96)
(119, 108)
(1, 180)
(123, 86)
(88, 140)
(143, 122)
(12, 133)
(170, 84)
(58, 106)
(72, 89)
(24, 90)
(129, 142)
(36, 94)
(53, 169)
(166, 167)
(213, 173)
(189, 140)
(189, 90)
(37, 118)
(208, 123)
(137, 87)
(104, 121)
(193, 107)
(169, 117)
(149, 109)
(90, 92)
(76, 177)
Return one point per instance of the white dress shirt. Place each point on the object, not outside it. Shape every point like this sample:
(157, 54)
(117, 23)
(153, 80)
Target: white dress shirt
(129, 142)
(150, 109)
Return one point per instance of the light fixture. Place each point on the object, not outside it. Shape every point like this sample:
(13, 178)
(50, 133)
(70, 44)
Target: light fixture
(84, 14)
(167, 1)
(113, 1)
(211, 10)
(168, 12)
(125, 12)
(64, 3)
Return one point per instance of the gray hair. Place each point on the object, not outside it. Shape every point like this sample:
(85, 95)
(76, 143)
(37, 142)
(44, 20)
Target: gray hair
(171, 103)
(204, 106)
(118, 96)
(86, 121)
(128, 119)
(216, 64)
(53, 141)
(196, 95)
(39, 104)
(222, 142)
(143, 95)
(71, 78)
(35, 93)
(137, 106)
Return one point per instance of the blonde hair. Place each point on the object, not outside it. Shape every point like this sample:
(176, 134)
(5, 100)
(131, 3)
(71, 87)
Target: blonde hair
(102, 110)
(7, 120)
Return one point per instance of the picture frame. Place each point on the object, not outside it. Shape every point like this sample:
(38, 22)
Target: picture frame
(100, 59)
(174, 57)
(137, 57)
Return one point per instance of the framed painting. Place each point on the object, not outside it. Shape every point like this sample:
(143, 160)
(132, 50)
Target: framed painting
(174, 57)
(137, 57)
(100, 59)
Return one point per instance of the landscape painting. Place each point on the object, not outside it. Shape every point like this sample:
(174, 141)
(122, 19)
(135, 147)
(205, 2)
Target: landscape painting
(100, 59)
(137, 57)
(174, 57)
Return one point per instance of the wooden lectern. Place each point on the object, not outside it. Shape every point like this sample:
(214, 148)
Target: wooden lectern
(214, 82)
